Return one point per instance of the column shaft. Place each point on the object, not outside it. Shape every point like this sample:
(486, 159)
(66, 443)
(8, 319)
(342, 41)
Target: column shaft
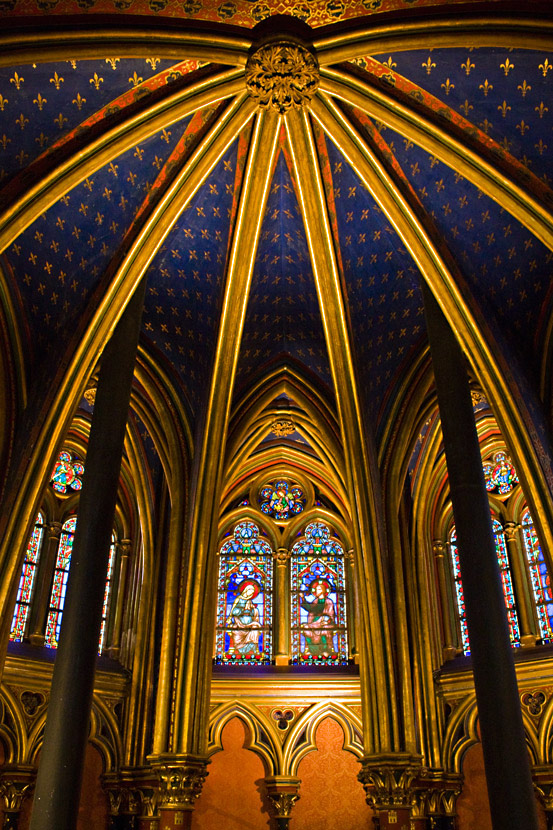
(60, 772)
(509, 781)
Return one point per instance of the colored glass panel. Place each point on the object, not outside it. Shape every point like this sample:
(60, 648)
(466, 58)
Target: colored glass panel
(107, 592)
(244, 604)
(281, 499)
(539, 576)
(27, 581)
(506, 581)
(67, 473)
(319, 634)
(59, 584)
(499, 474)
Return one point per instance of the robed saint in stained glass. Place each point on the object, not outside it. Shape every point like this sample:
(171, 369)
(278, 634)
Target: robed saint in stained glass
(67, 473)
(318, 599)
(244, 606)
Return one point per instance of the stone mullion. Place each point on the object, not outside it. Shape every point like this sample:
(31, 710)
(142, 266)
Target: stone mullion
(352, 601)
(525, 607)
(124, 548)
(41, 598)
(440, 551)
(378, 685)
(282, 608)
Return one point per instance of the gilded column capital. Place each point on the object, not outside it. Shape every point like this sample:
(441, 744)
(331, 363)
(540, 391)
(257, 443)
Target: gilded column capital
(15, 784)
(282, 75)
(441, 793)
(510, 530)
(282, 792)
(125, 547)
(438, 548)
(181, 778)
(387, 779)
(543, 785)
(54, 530)
(349, 556)
(281, 556)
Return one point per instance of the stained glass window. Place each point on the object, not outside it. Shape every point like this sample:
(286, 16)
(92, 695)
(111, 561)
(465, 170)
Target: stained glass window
(67, 473)
(541, 582)
(59, 585)
(319, 634)
(281, 499)
(27, 581)
(244, 605)
(499, 473)
(107, 592)
(506, 581)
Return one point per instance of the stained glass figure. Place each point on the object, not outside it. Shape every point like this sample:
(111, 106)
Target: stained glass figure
(27, 581)
(67, 473)
(107, 592)
(244, 605)
(500, 475)
(541, 581)
(506, 581)
(59, 585)
(281, 499)
(319, 635)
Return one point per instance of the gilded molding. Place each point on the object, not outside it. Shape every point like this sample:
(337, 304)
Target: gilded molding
(181, 778)
(283, 792)
(282, 75)
(387, 779)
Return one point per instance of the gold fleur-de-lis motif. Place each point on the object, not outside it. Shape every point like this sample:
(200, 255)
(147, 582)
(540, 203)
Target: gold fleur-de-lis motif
(390, 63)
(88, 184)
(485, 125)
(113, 62)
(545, 67)
(72, 63)
(485, 87)
(22, 157)
(466, 107)
(56, 80)
(79, 101)
(60, 120)
(524, 88)
(468, 66)
(541, 109)
(4, 141)
(153, 62)
(429, 66)
(107, 193)
(523, 127)
(507, 66)
(448, 86)
(40, 101)
(17, 81)
(41, 140)
(138, 153)
(157, 162)
(22, 121)
(3, 102)
(113, 168)
(504, 108)
(165, 136)
(96, 80)
(541, 147)
(135, 80)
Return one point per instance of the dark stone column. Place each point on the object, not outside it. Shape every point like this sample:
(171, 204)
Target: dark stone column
(59, 777)
(507, 765)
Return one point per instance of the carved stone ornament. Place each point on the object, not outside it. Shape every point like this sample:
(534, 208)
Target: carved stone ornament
(181, 781)
(282, 428)
(15, 784)
(282, 75)
(283, 794)
(387, 780)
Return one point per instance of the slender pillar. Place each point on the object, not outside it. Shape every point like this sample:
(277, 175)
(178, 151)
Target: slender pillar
(439, 549)
(283, 792)
(351, 588)
(59, 777)
(39, 608)
(509, 781)
(124, 553)
(282, 603)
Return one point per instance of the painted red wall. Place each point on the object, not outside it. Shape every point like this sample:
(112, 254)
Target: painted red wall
(331, 797)
(473, 809)
(232, 797)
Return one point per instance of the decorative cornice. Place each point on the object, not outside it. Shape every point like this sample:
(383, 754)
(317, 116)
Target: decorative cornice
(282, 75)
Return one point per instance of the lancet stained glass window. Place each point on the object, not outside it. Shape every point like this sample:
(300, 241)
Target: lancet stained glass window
(319, 635)
(541, 583)
(67, 473)
(506, 581)
(59, 585)
(27, 581)
(281, 499)
(244, 605)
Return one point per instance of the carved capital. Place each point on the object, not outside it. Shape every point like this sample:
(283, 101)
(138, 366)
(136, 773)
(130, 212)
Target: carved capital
(282, 556)
(15, 784)
(387, 779)
(543, 784)
(510, 530)
(283, 794)
(282, 75)
(438, 548)
(54, 530)
(181, 778)
(125, 546)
